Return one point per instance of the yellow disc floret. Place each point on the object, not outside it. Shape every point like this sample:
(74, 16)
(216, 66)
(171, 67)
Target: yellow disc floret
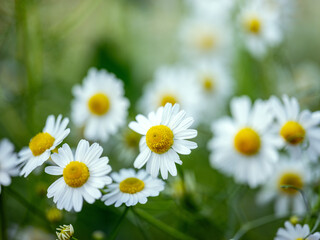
(247, 141)
(293, 132)
(76, 174)
(131, 185)
(40, 143)
(205, 41)
(99, 104)
(253, 25)
(54, 215)
(290, 179)
(168, 99)
(159, 139)
(208, 83)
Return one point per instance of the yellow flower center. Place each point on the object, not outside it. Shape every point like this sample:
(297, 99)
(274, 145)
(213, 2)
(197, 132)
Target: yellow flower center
(208, 83)
(99, 104)
(76, 174)
(132, 139)
(247, 141)
(292, 179)
(131, 185)
(253, 25)
(293, 132)
(205, 41)
(294, 220)
(40, 143)
(54, 215)
(300, 239)
(159, 139)
(168, 99)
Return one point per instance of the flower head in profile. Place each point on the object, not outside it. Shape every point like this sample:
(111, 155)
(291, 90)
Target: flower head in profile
(99, 105)
(42, 144)
(245, 146)
(131, 188)
(65, 232)
(8, 162)
(165, 133)
(299, 131)
(83, 174)
(297, 232)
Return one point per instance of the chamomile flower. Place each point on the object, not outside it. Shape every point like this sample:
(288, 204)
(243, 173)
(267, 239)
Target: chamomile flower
(245, 146)
(300, 131)
(83, 175)
(42, 144)
(99, 105)
(296, 232)
(215, 8)
(171, 85)
(131, 188)
(216, 86)
(65, 232)
(204, 37)
(164, 136)
(127, 145)
(287, 172)
(8, 162)
(260, 26)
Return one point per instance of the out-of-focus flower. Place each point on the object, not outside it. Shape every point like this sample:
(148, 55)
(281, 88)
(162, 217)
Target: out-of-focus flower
(260, 26)
(43, 143)
(164, 136)
(83, 175)
(127, 145)
(32, 233)
(218, 9)
(8, 162)
(54, 215)
(131, 187)
(99, 105)
(65, 232)
(245, 146)
(296, 232)
(287, 172)
(216, 86)
(98, 235)
(300, 131)
(171, 85)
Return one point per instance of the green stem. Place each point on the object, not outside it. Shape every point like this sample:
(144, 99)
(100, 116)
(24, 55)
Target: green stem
(116, 229)
(74, 238)
(3, 219)
(162, 226)
(29, 206)
(254, 224)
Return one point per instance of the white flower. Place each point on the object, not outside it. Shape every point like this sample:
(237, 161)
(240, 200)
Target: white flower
(43, 143)
(8, 162)
(296, 232)
(216, 86)
(99, 105)
(65, 232)
(131, 187)
(171, 85)
(245, 146)
(214, 8)
(260, 27)
(83, 175)
(204, 36)
(300, 131)
(287, 172)
(164, 136)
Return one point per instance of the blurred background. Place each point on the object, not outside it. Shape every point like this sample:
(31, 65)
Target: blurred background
(46, 47)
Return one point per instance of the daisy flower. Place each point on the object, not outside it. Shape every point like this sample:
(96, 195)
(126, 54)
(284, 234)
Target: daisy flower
(65, 232)
(215, 8)
(260, 27)
(8, 162)
(99, 105)
(171, 85)
(245, 146)
(164, 136)
(127, 145)
(299, 131)
(296, 232)
(287, 172)
(216, 86)
(131, 187)
(42, 144)
(83, 174)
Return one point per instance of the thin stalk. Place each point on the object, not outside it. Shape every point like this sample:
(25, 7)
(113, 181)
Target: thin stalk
(3, 219)
(116, 229)
(161, 226)
(305, 199)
